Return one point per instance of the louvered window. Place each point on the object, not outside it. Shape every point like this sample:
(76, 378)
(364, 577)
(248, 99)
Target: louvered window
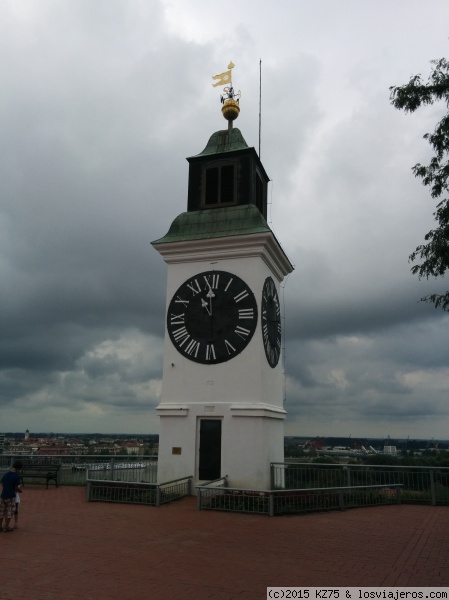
(219, 185)
(259, 193)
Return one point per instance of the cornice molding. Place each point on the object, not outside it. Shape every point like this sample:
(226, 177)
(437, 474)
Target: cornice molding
(263, 245)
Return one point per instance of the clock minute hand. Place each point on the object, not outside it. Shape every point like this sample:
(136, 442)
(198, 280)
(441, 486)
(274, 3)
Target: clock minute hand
(210, 294)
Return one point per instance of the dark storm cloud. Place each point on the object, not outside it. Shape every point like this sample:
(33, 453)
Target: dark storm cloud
(397, 376)
(364, 310)
(100, 105)
(17, 383)
(84, 172)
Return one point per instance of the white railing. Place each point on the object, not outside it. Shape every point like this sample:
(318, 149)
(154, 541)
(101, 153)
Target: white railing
(129, 492)
(73, 469)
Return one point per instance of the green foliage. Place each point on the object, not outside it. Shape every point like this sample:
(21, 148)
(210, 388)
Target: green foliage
(325, 460)
(428, 459)
(382, 459)
(410, 97)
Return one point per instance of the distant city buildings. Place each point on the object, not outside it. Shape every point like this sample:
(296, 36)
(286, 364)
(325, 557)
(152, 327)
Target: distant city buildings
(27, 444)
(295, 446)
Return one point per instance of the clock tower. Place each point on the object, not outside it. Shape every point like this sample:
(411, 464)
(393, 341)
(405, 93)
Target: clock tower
(221, 410)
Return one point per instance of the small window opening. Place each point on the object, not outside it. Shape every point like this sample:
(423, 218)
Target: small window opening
(219, 185)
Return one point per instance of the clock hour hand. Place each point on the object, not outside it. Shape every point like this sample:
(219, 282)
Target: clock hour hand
(205, 305)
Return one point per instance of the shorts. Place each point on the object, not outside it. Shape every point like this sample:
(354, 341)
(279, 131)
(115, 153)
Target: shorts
(7, 507)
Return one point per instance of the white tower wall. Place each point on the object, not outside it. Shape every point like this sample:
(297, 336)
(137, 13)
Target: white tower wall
(245, 393)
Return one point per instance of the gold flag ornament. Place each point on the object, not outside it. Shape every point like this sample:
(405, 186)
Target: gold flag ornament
(223, 78)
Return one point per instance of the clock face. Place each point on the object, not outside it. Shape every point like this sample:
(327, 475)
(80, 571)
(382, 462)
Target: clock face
(271, 322)
(212, 317)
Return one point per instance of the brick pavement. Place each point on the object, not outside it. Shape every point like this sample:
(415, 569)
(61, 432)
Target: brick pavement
(67, 549)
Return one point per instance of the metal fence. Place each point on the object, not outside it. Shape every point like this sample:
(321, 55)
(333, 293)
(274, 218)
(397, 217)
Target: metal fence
(74, 468)
(420, 485)
(222, 482)
(298, 501)
(102, 490)
(295, 487)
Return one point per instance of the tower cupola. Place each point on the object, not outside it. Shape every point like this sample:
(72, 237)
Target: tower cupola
(227, 172)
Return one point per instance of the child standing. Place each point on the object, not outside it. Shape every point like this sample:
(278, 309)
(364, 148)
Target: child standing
(11, 484)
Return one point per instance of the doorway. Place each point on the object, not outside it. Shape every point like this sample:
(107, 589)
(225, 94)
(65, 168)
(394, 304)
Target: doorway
(210, 449)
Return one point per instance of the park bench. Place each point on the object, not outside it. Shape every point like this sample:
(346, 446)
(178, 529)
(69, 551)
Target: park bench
(46, 471)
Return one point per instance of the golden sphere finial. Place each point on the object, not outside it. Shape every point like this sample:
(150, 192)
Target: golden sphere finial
(230, 110)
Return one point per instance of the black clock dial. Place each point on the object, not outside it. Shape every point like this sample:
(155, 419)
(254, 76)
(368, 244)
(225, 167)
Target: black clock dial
(212, 317)
(271, 322)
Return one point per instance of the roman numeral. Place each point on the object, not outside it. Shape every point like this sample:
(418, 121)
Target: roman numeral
(229, 347)
(265, 333)
(241, 296)
(242, 332)
(192, 348)
(278, 308)
(195, 287)
(177, 319)
(210, 352)
(229, 283)
(180, 300)
(181, 335)
(212, 281)
(246, 313)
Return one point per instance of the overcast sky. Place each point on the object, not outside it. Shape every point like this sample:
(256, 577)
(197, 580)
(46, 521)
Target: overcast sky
(101, 101)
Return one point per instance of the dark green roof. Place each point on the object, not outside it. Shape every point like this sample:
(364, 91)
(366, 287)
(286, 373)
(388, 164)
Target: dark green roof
(215, 223)
(224, 141)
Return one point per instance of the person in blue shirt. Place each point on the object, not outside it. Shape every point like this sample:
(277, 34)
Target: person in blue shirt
(10, 485)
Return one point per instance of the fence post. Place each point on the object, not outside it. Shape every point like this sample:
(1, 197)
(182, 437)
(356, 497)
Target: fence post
(432, 488)
(189, 486)
(272, 476)
(348, 475)
(341, 500)
(271, 505)
(158, 496)
(88, 490)
(198, 498)
(398, 495)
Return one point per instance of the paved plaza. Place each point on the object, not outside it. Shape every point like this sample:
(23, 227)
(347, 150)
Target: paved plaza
(69, 549)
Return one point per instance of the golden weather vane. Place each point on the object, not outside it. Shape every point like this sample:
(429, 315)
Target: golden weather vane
(229, 98)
